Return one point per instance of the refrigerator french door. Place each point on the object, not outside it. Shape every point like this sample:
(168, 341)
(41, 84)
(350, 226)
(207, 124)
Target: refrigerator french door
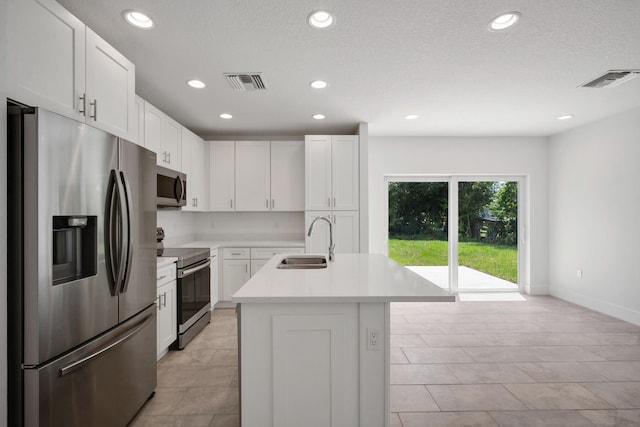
(81, 277)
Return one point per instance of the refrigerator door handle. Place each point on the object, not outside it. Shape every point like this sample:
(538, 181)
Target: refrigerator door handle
(111, 244)
(124, 233)
(80, 363)
(128, 240)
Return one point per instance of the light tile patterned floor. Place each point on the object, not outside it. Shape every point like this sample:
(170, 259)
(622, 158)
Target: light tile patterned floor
(539, 362)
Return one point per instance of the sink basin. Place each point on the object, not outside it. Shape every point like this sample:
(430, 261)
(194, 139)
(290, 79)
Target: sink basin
(303, 262)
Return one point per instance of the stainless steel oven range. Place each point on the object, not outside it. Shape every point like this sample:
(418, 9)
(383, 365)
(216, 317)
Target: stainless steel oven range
(194, 292)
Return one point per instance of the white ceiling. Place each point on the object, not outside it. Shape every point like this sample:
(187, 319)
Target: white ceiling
(383, 59)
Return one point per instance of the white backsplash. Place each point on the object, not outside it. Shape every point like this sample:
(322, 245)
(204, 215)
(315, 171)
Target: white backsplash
(181, 227)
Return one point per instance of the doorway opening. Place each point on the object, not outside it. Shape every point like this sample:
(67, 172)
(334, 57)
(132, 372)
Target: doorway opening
(479, 251)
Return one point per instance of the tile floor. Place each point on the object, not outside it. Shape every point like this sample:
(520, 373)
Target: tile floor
(539, 362)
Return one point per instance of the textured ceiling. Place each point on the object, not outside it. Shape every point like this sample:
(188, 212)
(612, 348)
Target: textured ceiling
(382, 59)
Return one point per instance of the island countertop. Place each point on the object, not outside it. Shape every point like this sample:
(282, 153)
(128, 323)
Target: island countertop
(348, 278)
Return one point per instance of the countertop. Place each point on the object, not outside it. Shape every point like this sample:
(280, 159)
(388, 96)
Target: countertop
(243, 244)
(349, 278)
(164, 261)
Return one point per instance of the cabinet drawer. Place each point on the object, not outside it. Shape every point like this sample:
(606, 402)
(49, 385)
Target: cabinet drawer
(236, 253)
(267, 253)
(166, 274)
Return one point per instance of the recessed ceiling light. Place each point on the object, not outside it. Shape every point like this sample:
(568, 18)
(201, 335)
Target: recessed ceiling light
(321, 19)
(197, 84)
(318, 116)
(567, 117)
(137, 19)
(318, 84)
(411, 116)
(504, 21)
(225, 116)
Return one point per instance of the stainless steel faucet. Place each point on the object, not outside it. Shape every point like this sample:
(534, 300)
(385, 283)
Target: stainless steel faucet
(332, 246)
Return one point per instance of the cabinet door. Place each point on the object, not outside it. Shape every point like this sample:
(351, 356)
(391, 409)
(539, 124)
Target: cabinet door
(111, 88)
(171, 142)
(214, 282)
(257, 264)
(318, 242)
(317, 154)
(345, 173)
(153, 119)
(235, 274)
(139, 124)
(167, 316)
(253, 176)
(187, 159)
(287, 175)
(44, 40)
(346, 231)
(221, 176)
(198, 157)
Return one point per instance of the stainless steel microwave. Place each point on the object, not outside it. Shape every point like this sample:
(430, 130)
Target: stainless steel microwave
(172, 188)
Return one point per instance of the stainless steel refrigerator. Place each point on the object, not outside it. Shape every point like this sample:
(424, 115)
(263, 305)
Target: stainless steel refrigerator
(81, 282)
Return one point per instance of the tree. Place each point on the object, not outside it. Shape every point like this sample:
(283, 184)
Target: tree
(505, 208)
(473, 199)
(418, 209)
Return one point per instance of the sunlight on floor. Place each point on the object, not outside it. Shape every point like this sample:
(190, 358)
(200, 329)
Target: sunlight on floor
(491, 296)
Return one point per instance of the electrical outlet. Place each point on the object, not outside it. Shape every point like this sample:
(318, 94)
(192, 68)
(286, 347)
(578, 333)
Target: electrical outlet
(373, 340)
(579, 273)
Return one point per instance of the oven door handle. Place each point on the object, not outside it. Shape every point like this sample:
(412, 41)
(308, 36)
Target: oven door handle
(183, 273)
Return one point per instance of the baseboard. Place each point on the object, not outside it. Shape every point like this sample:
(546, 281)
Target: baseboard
(615, 310)
(536, 289)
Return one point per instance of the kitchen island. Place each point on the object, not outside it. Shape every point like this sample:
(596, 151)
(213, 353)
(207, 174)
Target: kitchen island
(314, 343)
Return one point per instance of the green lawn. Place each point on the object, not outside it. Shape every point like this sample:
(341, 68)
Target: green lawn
(497, 260)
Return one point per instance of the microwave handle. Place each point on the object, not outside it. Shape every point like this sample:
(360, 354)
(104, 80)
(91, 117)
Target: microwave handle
(179, 196)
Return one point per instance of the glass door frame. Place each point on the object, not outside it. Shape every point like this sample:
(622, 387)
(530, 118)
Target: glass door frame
(453, 183)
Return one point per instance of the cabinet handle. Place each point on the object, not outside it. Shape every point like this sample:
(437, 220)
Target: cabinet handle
(95, 110)
(231, 200)
(334, 202)
(169, 155)
(236, 253)
(161, 277)
(329, 201)
(267, 203)
(165, 300)
(273, 203)
(196, 202)
(83, 98)
(246, 268)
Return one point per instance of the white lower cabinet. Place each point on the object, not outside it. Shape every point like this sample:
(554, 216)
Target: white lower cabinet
(346, 231)
(240, 264)
(214, 281)
(167, 319)
(300, 365)
(235, 273)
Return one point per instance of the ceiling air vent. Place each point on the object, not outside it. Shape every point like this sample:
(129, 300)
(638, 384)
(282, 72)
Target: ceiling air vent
(245, 81)
(612, 78)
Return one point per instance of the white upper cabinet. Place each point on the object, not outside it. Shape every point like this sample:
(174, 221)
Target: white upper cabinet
(193, 159)
(110, 88)
(163, 135)
(345, 173)
(317, 172)
(86, 79)
(139, 124)
(331, 172)
(287, 175)
(221, 176)
(253, 176)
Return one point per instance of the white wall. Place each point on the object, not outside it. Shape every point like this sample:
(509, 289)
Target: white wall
(181, 227)
(594, 207)
(3, 218)
(467, 156)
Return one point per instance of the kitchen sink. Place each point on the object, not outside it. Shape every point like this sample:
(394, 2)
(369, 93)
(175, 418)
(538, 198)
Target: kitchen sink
(302, 262)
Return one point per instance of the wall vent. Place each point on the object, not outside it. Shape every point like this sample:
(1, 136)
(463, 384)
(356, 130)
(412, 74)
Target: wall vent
(245, 81)
(612, 78)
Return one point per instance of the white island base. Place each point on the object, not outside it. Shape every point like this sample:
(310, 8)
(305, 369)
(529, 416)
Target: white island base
(314, 344)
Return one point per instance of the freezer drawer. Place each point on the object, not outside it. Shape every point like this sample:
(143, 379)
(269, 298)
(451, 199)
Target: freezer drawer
(103, 383)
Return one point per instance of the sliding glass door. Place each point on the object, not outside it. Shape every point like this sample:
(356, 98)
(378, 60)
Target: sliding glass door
(478, 251)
